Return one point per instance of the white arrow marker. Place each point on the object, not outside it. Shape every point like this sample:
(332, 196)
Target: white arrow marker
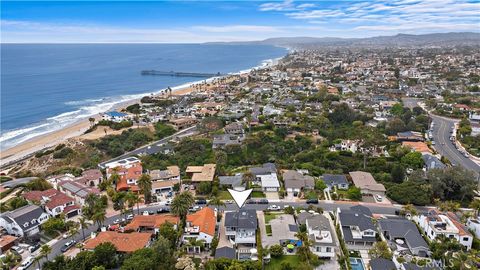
(240, 196)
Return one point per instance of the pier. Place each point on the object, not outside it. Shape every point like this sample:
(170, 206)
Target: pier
(180, 74)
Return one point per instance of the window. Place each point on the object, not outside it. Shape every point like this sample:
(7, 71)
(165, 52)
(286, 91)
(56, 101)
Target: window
(329, 249)
(465, 239)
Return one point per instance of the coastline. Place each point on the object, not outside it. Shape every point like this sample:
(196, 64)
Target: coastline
(76, 130)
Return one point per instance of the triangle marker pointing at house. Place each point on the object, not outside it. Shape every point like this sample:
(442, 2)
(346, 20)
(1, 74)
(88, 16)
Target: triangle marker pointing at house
(240, 196)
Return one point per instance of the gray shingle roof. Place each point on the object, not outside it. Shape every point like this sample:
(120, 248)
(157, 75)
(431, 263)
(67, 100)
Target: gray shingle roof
(267, 168)
(225, 252)
(294, 179)
(382, 264)
(334, 179)
(402, 228)
(244, 218)
(234, 181)
(23, 215)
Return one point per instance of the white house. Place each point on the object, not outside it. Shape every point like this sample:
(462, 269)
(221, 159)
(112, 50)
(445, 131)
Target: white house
(320, 231)
(115, 116)
(24, 221)
(201, 226)
(473, 224)
(266, 177)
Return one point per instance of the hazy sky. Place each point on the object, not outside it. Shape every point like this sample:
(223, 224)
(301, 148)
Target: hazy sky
(201, 21)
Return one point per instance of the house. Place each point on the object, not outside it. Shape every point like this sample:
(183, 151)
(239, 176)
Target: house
(333, 181)
(171, 173)
(92, 177)
(159, 187)
(234, 181)
(115, 116)
(240, 229)
(24, 221)
(234, 128)
(225, 252)
(432, 162)
(7, 242)
(411, 136)
(418, 147)
(435, 223)
(183, 123)
(473, 224)
(346, 145)
(54, 202)
(382, 264)
(129, 170)
(295, 182)
(266, 177)
(357, 227)
(124, 242)
(224, 140)
(77, 190)
(199, 174)
(151, 223)
(201, 226)
(367, 183)
(320, 232)
(403, 236)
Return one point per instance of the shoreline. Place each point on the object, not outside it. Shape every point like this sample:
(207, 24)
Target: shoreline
(75, 130)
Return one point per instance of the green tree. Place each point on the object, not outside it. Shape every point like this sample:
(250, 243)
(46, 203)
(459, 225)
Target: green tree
(145, 185)
(380, 250)
(413, 160)
(82, 221)
(38, 184)
(142, 259)
(409, 209)
(354, 193)
(181, 203)
(398, 173)
(215, 201)
(453, 183)
(45, 250)
(106, 255)
(276, 251)
(163, 130)
(204, 188)
(320, 185)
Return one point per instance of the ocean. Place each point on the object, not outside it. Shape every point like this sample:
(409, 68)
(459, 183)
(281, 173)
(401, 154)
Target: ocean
(46, 87)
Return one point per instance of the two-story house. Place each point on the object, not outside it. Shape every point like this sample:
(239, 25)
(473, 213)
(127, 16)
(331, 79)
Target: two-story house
(266, 177)
(356, 226)
(77, 190)
(54, 202)
(403, 236)
(435, 223)
(201, 226)
(320, 232)
(240, 229)
(24, 221)
(129, 170)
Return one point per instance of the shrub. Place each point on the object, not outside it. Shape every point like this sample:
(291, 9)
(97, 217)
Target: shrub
(63, 153)
(276, 251)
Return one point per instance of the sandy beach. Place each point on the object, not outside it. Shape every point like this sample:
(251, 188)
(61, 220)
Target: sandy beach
(74, 131)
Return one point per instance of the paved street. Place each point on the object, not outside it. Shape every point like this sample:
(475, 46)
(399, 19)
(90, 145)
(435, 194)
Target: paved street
(154, 147)
(441, 136)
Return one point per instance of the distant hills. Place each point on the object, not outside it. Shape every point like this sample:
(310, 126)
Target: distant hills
(454, 38)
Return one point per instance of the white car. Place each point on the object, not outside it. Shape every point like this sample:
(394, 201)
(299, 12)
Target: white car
(26, 263)
(378, 197)
(286, 206)
(17, 249)
(195, 208)
(145, 213)
(273, 207)
(130, 217)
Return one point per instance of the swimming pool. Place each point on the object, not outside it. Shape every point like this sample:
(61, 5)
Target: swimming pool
(357, 264)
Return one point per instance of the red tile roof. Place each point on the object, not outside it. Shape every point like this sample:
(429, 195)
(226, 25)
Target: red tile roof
(151, 222)
(205, 219)
(37, 195)
(124, 242)
(58, 199)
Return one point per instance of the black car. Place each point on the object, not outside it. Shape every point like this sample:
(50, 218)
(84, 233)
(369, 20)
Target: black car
(68, 245)
(251, 201)
(312, 201)
(263, 201)
(201, 201)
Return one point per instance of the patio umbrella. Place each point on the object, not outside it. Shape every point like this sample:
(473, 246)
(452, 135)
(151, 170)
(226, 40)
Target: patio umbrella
(290, 246)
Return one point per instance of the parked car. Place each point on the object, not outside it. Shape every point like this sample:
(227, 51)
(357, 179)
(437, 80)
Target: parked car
(466, 154)
(163, 210)
(273, 207)
(68, 245)
(312, 201)
(201, 201)
(17, 249)
(168, 202)
(145, 213)
(26, 263)
(378, 198)
(130, 217)
(34, 247)
(194, 208)
(229, 201)
(263, 201)
(251, 201)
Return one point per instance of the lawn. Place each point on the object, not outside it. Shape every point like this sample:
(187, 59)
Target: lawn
(268, 228)
(275, 263)
(224, 195)
(258, 194)
(270, 216)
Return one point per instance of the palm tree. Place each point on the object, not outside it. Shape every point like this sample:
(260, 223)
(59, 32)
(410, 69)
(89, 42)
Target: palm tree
(215, 201)
(83, 224)
(304, 249)
(92, 121)
(99, 216)
(145, 185)
(9, 260)
(248, 178)
(72, 231)
(181, 203)
(45, 250)
(409, 209)
(37, 259)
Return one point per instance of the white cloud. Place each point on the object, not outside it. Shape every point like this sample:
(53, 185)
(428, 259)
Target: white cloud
(237, 28)
(282, 6)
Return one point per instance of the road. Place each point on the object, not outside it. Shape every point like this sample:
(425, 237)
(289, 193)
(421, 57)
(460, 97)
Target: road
(154, 147)
(441, 136)
(380, 209)
(18, 181)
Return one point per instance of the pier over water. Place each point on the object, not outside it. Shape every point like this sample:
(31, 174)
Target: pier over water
(180, 74)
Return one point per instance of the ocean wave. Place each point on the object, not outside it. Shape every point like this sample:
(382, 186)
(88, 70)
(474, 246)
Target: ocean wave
(90, 107)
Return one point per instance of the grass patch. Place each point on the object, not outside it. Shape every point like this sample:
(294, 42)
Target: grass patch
(224, 195)
(270, 216)
(268, 228)
(275, 263)
(258, 194)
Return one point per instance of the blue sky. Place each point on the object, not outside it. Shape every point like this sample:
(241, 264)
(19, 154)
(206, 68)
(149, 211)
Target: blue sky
(203, 21)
